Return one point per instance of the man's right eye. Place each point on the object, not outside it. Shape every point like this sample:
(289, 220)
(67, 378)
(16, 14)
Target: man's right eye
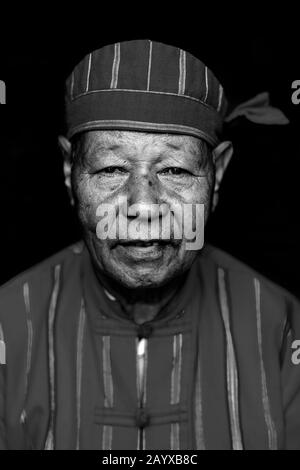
(111, 170)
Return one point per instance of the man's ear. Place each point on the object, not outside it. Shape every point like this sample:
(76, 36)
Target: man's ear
(66, 150)
(221, 157)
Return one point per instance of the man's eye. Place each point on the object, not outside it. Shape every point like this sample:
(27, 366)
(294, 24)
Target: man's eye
(111, 170)
(174, 171)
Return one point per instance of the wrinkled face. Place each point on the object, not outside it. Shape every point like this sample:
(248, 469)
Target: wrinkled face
(146, 169)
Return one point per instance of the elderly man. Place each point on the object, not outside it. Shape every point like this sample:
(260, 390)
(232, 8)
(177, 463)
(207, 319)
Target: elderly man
(136, 341)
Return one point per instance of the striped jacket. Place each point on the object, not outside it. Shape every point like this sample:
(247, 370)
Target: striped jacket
(215, 371)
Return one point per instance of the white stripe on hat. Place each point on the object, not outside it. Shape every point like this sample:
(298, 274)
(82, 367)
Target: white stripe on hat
(88, 74)
(72, 86)
(182, 72)
(2, 347)
(115, 66)
(149, 65)
(206, 85)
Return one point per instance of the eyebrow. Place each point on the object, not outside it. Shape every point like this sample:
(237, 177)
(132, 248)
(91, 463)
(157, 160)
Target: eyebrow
(174, 146)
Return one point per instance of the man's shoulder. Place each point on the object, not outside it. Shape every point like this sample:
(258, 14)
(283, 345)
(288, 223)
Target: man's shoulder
(241, 274)
(39, 277)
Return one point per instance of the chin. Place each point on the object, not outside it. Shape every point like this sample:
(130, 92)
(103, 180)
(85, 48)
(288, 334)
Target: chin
(146, 277)
(140, 278)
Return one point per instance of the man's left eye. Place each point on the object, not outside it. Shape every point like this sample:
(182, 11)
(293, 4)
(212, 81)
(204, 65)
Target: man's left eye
(174, 171)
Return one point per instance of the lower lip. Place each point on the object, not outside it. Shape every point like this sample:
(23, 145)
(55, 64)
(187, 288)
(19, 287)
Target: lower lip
(150, 253)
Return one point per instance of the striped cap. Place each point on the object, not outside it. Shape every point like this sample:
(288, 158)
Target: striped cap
(143, 85)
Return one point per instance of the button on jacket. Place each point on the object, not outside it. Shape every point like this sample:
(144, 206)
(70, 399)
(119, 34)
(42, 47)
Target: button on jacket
(213, 370)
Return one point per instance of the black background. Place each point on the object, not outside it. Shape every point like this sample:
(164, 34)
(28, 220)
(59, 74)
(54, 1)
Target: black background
(257, 219)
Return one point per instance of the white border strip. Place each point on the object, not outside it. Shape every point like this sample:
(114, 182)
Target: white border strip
(107, 375)
(199, 432)
(176, 369)
(232, 377)
(107, 437)
(108, 391)
(51, 319)
(26, 297)
(80, 336)
(175, 436)
(272, 434)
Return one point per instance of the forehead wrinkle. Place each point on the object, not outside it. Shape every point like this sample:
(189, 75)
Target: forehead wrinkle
(100, 145)
(99, 140)
(116, 141)
(117, 137)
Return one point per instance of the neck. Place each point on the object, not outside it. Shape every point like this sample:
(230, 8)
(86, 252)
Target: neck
(142, 304)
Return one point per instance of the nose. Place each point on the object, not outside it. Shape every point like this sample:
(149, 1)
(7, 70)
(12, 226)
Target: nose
(143, 195)
(143, 189)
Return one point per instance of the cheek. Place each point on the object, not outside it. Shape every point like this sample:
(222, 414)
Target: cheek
(87, 199)
(195, 219)
(199, 192)
(202, 194)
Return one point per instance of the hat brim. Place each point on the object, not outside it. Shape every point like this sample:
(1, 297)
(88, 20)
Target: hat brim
(143, 111)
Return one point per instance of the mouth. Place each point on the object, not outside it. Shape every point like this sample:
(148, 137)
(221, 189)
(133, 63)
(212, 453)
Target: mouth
(142, 250)
(143, 243)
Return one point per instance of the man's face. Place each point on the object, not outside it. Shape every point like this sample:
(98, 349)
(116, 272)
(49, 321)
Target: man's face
(147, 169)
